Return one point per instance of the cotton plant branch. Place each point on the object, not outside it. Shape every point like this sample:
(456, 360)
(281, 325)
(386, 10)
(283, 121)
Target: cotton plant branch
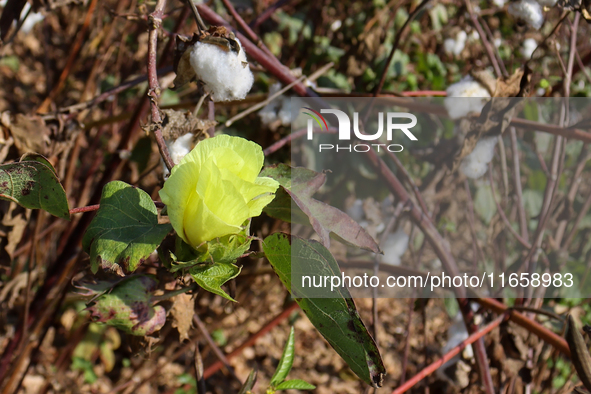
(487, 46)
(270, 63)
(518, 189)
(557, 160)
(155, 19)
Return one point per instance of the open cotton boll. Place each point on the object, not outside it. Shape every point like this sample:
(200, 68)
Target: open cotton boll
(499, 3)
(279, 108)
(467, 87)
(284, 113)
(455, 46)
(394, 247)
(456, 334)
(528, 48)
(475, 164)
(528, 10)
(225, 73)
(177, 149)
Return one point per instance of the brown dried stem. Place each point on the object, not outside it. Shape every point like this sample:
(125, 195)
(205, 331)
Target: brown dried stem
(155, 19)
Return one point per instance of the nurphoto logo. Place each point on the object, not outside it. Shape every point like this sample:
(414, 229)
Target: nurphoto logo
(344, 130)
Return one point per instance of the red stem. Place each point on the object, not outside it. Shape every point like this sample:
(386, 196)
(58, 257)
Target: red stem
(449, 355)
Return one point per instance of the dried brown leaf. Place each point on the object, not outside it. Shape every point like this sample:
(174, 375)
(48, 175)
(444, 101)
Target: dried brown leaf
(30, 133)
(182, 311)
(177, 124)
(579, 352)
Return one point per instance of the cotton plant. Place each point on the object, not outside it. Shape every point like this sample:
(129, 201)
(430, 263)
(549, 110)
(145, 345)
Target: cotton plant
(467, 87)
(177, 149)
(278, 109)
(530, 11)
(528, 47)
(217, 59)
(455, 46)
(394, 247)
(475, 164)
(225, 72)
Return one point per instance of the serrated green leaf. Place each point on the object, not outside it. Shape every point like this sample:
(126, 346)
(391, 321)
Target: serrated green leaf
(128, 307)
(125, 230)
(295, 384)
(33, 184)
(212, 276)
(336, 318)
(286, 361)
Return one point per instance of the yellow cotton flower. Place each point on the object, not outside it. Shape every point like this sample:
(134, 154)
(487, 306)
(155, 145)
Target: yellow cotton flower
(216, 188)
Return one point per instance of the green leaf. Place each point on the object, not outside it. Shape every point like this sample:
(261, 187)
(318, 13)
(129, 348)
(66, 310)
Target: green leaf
(212, 276)
(337, 318)
(301, 184)
(296, 384)
(33, 183)
(125, 230)
(128, 307)
(226, 249)
(286, 361)
(249, 383)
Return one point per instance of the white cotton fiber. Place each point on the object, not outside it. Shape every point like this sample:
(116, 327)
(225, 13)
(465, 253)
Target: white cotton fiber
(284, 113)
(177, 149)
(467, 87)
(499, 3)
(455, 46)
(528, 48)
(225, 73)
(394, 247)
(180, 147)
(475, 164)
(528, 10)
(279, 108)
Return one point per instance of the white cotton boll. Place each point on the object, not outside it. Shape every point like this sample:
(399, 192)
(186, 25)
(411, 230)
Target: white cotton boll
(498, 42)
(499, 3)
(284, 114)
(456, 334)
(336, 25)
(528, 10)
(466, 87)
(528, 48)
(225, 73)
(394, 247)
(180, 147)
(475, 164)
(32, 20)
(455, 46)
(474, 36)
(356, 211)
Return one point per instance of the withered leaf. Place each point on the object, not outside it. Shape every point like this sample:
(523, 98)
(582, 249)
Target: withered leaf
(182, 311)
(177, 124)
(579, 352)
(30, 133)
